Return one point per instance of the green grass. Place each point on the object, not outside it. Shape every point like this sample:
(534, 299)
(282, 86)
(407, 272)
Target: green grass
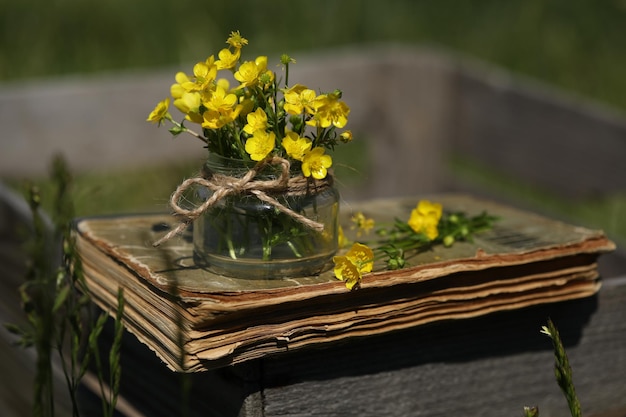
(140, 190)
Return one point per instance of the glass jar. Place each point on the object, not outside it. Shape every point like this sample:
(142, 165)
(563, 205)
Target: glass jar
(243, 236)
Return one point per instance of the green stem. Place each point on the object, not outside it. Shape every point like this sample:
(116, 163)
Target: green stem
(240, 146)
(231, 249)
(266, 237)
(267, 250)
(563, 370)
(197, 135)
(187, 130)
(294, 249)
(229, 232)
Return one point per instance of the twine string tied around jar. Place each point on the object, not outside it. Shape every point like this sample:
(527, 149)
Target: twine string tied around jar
(225, 185)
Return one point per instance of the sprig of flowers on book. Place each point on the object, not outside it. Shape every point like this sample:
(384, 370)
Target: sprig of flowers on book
(428, 226)
(260, 117)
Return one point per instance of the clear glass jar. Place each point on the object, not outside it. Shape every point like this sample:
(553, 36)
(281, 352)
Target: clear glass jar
(243, 236)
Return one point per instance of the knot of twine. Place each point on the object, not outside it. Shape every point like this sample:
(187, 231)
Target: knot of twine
(224, 185)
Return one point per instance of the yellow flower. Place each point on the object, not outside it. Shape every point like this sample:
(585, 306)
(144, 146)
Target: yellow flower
(247, 74)
(204, 74)
(257, 120)
(260, 144)
(236, 40)
(160, 112)
(346, 271)
(362, 224)
(177, 90)
(296, 146)
(298, 99)
(315, 163)
(227, 59)
(329, 110)
(261, 63)
(221, 101)
(189, 104)
(425, 218)
(223, 83)
(346, 137)
(357, 261)
(222, 108)
(215, 119)
(267, 78)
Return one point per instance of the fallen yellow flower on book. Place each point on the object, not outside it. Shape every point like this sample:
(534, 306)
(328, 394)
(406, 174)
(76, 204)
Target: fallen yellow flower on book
(350, 267)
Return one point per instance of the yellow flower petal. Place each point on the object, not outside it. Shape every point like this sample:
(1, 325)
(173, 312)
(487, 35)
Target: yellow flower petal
(346, 271)
(315, 163)
(247, 74)
(299, 99)
(257, 120)
(295, 146)
(260, 144)
(425, 218)
(160, 112)
(329, 110)
(362, 257)
(227, 59)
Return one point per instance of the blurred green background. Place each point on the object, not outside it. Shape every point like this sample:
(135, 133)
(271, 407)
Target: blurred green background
(576, 45)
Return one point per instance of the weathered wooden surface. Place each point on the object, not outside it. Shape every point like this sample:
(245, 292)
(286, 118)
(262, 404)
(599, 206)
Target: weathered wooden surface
(534, 133)
(489, 366)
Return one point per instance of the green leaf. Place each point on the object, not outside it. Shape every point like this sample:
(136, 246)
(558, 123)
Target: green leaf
(177, 130)
(15, 329)
(61, 297)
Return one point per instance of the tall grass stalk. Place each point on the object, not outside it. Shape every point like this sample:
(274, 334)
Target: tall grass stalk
(562, 369)
(110, 392)
(56, 301)
(38, 306)
(562, 372)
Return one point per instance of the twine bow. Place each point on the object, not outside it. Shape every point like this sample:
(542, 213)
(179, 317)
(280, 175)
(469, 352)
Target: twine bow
(224, 185)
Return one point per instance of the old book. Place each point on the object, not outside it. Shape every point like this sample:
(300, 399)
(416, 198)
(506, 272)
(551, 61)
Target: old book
(196, 320)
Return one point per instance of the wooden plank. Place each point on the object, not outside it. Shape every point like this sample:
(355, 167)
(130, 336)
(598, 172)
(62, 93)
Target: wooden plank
(490, 366)
(538, 135)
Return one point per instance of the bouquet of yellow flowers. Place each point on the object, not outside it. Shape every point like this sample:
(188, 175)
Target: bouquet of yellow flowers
(266, 193)
(257, 118)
